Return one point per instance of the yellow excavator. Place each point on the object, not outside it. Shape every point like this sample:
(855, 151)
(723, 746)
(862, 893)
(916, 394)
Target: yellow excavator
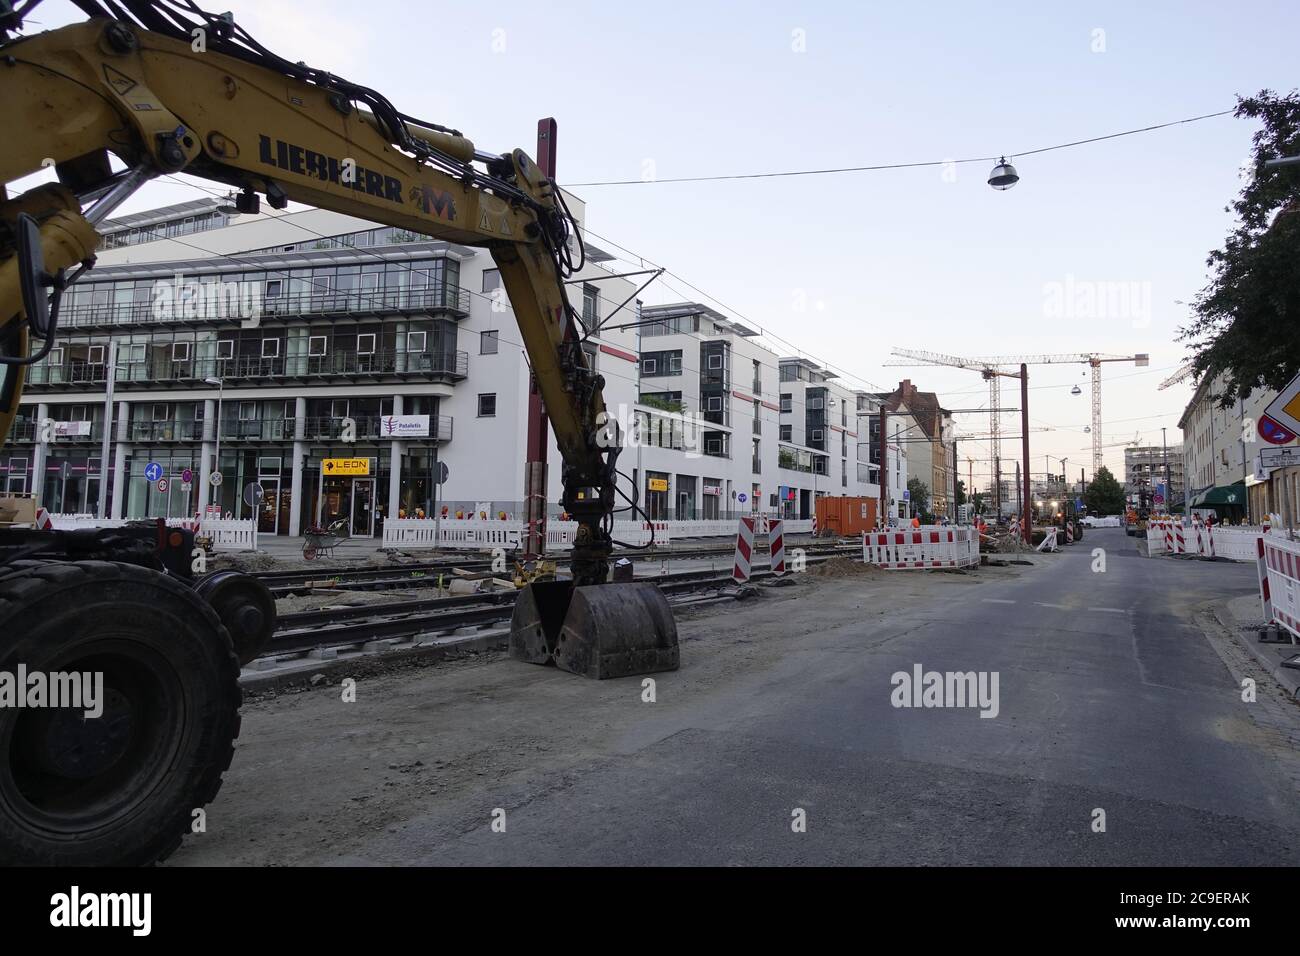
(165, 87)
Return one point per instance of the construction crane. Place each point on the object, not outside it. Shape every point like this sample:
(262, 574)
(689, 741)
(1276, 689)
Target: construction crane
(1186, 370)
(990, 366)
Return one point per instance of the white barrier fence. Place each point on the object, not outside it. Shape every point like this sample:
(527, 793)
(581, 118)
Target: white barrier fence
(226, 535)
(1195, 538)
(929, 546)
(1280, 581)
(477, 534)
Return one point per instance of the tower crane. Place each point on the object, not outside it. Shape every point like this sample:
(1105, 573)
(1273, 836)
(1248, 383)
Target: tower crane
(988, 366)
(1187, 369)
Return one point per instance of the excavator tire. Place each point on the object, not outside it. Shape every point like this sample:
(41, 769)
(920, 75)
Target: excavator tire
(120, 788)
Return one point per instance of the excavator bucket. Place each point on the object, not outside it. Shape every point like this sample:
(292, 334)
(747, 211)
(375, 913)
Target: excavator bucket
(599, 631)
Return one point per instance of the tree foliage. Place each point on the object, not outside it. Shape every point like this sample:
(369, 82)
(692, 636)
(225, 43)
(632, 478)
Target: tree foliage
(1105, 496)
(1247, 319)
(919, 496)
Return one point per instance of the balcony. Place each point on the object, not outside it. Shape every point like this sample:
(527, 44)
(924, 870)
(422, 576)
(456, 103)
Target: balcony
(369, 427)
(383, 366)
(165, 431)
(441, 298)
(24, 429)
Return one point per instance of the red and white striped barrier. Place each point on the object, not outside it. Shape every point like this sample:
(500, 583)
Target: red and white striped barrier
(1261, 567)
(931, 546)
(1049, 541)
(1069, 533)
(776, 541)
(43, 520)
(744, 550)
(1280, 582)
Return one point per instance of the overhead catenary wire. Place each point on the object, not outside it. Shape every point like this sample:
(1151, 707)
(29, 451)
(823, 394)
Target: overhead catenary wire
(837, 170)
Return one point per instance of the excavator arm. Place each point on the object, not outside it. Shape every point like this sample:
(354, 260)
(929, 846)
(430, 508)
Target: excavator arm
(211, 102)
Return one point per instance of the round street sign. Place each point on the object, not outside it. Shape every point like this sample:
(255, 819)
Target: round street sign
(153, 471)
(252, 494)
(187, 476)
(163, 485)
(742, 497)
(443, 472)
(214, 479)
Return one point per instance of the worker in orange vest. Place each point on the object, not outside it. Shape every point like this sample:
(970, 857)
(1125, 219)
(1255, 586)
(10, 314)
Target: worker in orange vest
(916, 522)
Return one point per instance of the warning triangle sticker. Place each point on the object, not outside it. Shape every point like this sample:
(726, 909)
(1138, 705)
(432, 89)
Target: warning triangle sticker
(120, 82)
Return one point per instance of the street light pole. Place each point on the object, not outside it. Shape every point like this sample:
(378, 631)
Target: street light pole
(220, 382)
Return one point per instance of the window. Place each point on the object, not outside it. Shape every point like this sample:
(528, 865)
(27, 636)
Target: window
(817, 434)
(180, 351)
(674, 362)
(787, 404)
(160, 413)
(491, 280)
(316, 345)
(487, 405)
(78, 413)
(270, 348)
(713, 446)
(339, 408)
(814, 402)
(273, 288)
(366, 343)
(487, 342)
(649, 366)
(415, 341)
(715, 404)
(95, 355)
(786, 431)
(248, 411)
(56, 356)
(715, 361)
(225, 349)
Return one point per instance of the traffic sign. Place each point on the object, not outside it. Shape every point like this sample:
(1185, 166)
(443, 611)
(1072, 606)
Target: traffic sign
(214, 479)
(742, 497)
(65, 470)
(1279, 457)
(153, 471)
(252, 494)
(187, 476)
(443, 472)
(163, 485)
(1280, 422)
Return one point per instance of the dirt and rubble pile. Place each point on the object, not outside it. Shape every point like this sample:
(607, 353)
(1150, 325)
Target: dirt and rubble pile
(842, 567)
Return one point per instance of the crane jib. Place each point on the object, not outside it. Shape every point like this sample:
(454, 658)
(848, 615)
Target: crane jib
(308, 162)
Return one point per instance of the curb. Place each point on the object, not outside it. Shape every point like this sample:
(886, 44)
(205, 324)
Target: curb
(1288, 677)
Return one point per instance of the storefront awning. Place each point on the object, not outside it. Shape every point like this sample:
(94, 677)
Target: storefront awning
(1225, 495)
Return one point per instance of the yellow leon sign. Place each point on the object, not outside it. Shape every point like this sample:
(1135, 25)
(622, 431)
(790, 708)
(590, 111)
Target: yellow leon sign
(658, 484)
(345, 466)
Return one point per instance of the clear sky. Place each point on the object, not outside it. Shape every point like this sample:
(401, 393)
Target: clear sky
(911, 258)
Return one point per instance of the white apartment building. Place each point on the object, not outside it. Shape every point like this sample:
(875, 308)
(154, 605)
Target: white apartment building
(899, 424)
(735, 428)
(358, 325)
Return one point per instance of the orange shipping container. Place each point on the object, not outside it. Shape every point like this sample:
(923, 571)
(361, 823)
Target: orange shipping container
(845, 516)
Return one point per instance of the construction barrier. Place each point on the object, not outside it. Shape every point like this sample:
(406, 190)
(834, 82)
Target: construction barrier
(1280, 582)
(740, 569)
(1195, 538)
(776, 542)
(226, 534)
(1049, 540)
(930, 546)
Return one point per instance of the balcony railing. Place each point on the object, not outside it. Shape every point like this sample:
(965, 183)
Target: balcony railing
(330, 428)
(23, 430)
(150, 431)
(438, 298)
(452, 365)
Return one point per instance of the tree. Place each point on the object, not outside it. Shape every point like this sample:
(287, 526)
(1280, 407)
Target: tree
(980, 501)
(1247, 319)
(918, 493)
(1105, 496)
(961, 492)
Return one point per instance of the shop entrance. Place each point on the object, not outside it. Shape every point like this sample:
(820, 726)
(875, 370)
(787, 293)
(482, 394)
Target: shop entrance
(350, 498)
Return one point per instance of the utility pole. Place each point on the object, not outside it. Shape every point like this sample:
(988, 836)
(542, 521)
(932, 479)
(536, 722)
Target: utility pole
(535, 483)
(884, 470)
(102, 510)
(1024, 444)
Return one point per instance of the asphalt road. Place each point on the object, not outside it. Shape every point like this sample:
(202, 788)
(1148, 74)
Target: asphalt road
(1112, 697)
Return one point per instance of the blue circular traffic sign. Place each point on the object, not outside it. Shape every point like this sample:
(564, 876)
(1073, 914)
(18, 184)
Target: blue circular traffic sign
(153, 471)
(742, 497)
